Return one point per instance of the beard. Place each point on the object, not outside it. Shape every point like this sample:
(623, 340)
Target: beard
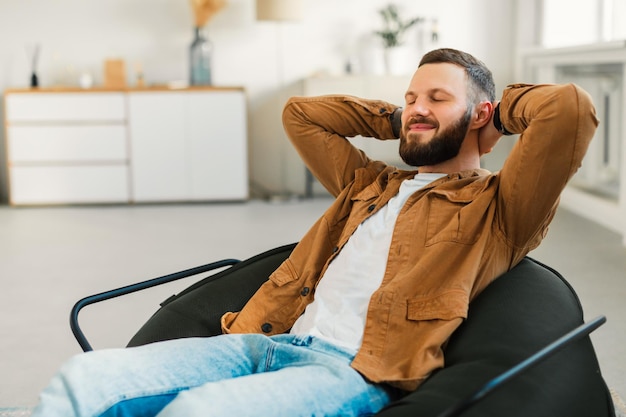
(443, 146)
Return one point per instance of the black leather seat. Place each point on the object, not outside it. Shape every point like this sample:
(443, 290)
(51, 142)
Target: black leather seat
(521, 312)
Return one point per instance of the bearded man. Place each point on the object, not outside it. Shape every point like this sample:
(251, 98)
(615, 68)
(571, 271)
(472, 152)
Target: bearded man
(359, 312)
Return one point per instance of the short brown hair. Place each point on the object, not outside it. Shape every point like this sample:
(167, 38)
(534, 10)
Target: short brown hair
(480, 78)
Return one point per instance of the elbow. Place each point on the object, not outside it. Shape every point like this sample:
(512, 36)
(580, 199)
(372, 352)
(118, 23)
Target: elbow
(291, 112)
(294, 119)
(573, 111)
(585, 109)
(587, 118)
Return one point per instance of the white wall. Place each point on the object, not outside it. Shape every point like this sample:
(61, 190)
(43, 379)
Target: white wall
(264, 57)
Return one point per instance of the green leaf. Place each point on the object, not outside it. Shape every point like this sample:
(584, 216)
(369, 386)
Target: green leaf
(394, 26)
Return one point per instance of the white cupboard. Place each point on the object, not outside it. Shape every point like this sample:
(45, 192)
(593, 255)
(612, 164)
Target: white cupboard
(188, 146)
(66, 147)
(143, 145)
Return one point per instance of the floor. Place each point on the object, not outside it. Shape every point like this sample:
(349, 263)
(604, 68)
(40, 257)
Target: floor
(51, 257)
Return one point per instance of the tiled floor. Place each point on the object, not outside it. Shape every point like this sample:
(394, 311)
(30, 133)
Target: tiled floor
(51, 257)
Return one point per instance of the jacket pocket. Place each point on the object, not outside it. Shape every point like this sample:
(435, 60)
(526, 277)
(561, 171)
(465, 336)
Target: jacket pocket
(453, 218)
(285, 274)
(445, 306)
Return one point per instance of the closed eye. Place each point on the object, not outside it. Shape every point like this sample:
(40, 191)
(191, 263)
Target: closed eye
(436, 97)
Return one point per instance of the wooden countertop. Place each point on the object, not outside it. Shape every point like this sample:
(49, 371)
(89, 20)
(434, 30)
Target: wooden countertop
(97, 89)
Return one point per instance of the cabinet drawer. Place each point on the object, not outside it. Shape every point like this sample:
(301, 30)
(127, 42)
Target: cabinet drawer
(43, 107)
(66, 143)
(77, 184)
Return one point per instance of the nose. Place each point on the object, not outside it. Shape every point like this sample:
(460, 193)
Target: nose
(418, 108)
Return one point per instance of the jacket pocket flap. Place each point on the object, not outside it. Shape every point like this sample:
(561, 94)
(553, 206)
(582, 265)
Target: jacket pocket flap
(370, 192)
(445, 306)
(284, 274)
(466, 194)
(455, 196)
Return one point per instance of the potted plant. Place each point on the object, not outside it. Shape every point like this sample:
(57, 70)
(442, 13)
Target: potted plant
(392, 35)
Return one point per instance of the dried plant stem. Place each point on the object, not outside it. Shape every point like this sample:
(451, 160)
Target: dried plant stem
(203, 10)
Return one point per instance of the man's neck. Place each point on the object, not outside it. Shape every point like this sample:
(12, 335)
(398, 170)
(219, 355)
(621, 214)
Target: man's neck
(453, 165)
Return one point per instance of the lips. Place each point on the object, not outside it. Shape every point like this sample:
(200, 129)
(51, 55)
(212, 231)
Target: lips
(420, 125)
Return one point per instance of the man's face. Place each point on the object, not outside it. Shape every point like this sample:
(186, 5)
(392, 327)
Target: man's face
(435, 119)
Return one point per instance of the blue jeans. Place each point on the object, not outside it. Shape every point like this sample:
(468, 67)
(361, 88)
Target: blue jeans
(227, 375)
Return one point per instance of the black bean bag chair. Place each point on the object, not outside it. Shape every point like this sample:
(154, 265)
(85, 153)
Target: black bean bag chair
(518, 314)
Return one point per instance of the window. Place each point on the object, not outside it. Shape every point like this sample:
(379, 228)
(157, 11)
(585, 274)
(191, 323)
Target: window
(568, 23)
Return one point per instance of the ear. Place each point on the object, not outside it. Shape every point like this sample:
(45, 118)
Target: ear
(482, 115)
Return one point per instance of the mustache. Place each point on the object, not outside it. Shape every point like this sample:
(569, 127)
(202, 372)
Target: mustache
(420, 119)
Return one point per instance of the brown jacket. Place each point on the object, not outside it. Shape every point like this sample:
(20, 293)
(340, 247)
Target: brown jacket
(451, 239)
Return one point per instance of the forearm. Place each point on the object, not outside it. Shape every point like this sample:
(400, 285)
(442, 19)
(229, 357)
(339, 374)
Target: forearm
(343, 115)
(566, 107)
(556, 123)
(318, 128)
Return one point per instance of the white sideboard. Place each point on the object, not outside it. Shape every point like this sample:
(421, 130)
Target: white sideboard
(66, 148)
(142, 145)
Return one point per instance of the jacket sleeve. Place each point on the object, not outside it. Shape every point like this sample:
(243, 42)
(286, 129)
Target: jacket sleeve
(318, 128)
(556, 123)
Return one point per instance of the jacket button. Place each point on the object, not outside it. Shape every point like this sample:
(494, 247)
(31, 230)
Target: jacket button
(266, 327)
(371, 208)
(305, 291)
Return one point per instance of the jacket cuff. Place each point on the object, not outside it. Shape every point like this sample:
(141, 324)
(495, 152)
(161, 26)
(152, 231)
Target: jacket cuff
(498, 123)
(396, 121)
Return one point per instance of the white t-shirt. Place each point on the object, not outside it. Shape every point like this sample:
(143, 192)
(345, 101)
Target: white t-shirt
(342, 296)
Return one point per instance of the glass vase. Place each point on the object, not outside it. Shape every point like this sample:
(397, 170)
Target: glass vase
(200, 53)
